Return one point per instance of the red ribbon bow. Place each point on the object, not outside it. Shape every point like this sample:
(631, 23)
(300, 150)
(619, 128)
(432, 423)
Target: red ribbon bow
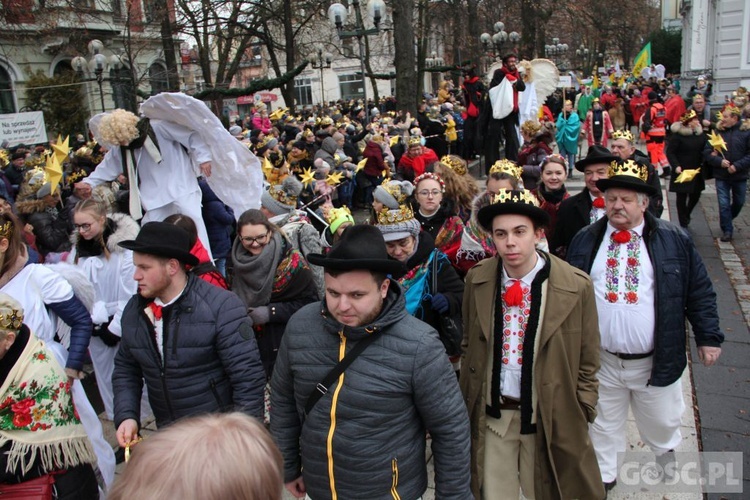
(156, 309)
(598, 202)
(621, 236)
(513, 295)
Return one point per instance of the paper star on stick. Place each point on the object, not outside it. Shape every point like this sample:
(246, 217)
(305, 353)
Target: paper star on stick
(61, 149)
(717, 142)
(334, 178)
(267, 167)
(53, 171)
(687, 175)
(308, 177)
(361, 165)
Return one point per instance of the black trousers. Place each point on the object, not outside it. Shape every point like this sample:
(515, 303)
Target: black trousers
(686, 202)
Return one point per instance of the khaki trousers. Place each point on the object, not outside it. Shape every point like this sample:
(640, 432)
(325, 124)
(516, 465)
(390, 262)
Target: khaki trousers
(508, 458)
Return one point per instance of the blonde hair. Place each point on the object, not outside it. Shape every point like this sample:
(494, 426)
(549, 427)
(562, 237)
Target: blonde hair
(210, 457)
(98, 210)
(119, 127)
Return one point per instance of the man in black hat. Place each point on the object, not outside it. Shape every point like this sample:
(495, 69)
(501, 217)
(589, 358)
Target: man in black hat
(648, 278)
(530, 361)
(191, 342)
(586, 207)
(365, 435)
(623, 146)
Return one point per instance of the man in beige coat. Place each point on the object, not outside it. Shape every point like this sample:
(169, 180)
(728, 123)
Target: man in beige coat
(531, 355)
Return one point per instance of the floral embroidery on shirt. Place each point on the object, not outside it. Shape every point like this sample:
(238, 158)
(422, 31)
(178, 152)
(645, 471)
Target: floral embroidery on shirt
(515, 319)
(632, 270)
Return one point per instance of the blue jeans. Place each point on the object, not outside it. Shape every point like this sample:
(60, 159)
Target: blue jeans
(731, 196)
(221, 265)
(569, 157)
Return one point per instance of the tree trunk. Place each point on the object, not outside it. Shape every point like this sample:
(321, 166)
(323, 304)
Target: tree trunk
(403, 44)
(167, 43)
(287, 90)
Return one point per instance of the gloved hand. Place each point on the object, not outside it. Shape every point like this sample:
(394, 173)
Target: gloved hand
(440, 303)
(259, 315)
(109, 338)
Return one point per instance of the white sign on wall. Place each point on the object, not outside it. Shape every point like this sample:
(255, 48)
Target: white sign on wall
(23, 128)
(565, 82)
(699, 35)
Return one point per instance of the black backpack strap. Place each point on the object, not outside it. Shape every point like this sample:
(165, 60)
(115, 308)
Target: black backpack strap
(322, 388)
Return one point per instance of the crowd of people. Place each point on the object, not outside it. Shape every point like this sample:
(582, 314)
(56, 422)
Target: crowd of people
(375, 300)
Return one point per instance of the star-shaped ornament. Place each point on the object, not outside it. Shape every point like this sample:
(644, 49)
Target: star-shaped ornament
(717, 142)
(334, 178)
(61, 149)
(308, 177)
(361, 165)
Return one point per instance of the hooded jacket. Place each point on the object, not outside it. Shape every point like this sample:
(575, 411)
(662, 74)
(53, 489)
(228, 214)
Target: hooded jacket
(365, 438)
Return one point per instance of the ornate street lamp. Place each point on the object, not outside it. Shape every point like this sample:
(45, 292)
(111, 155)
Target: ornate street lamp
(96, 65)
(321, 61)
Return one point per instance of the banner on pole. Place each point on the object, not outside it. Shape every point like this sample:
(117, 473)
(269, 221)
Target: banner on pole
(23, 128)
(642, 60)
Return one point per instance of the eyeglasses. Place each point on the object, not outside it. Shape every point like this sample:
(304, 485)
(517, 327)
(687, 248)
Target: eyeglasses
(85, 227)
(434, 193)
(258, 240)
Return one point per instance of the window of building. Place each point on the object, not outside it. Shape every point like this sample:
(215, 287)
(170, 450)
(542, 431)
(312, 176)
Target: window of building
(157, 75)
(122, 88)
(303, 91)
(7, 103)
(352, 86)
(117, 9)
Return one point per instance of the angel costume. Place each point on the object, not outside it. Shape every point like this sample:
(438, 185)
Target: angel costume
(185, 134)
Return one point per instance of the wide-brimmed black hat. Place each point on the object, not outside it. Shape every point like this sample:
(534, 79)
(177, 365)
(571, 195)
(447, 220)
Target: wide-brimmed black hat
(596, 154)
(627, 174)
(518, 202)
(361, 247)
(163, 240)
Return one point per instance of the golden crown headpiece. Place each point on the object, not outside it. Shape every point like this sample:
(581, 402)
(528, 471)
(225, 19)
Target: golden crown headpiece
(505, 166)
(4, 158)
(283, 197)
(454, 163)
(307, 133)
(326, 121)
(628, 167)
(515, 196)
(11, 320)
(623, 134)
(734, 110)
(403, 214)
(414, 140)
(6, 229)
(336, 213)
(76, 175)
(689, 116)
(394, 189)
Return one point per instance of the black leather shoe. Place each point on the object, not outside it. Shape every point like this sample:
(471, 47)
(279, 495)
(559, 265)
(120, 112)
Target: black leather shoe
(608, 486)
(726, 237)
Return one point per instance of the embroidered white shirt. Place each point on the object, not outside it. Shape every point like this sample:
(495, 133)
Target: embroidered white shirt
(625, 325)
(515, 319)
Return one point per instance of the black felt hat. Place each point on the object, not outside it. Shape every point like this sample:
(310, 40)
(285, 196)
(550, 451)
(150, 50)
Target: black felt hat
(519, 202)
(596, 154)
(163, 240)
(361, 247)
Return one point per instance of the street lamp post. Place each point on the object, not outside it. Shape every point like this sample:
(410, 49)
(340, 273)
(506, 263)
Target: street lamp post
(556, 51)
(320, 61)
(96, 64)
(498, 39)
(583, 56)
(337, 15)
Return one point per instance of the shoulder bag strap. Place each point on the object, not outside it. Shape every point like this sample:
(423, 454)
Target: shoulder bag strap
(322, 388)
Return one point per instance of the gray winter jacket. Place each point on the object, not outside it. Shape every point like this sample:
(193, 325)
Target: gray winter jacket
(365, 438)
(211, 361)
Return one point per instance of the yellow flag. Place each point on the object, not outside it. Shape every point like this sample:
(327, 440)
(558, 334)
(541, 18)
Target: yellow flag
(642, 60)
(595, 82)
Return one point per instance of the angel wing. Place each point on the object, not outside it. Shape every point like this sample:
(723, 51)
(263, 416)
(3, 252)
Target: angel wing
(646, 73)
(546, 78)
(237, 177)
(660, 71)
(491, 71)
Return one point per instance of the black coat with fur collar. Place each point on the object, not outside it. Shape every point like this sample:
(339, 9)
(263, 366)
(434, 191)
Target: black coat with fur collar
(685, 149)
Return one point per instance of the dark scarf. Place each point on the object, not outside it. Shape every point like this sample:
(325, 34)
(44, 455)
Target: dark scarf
(597, 115)
(93, 247)
(553, 197)
(144, 131)
(532, 327)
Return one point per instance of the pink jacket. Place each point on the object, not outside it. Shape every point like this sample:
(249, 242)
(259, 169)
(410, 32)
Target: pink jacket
(262, 124)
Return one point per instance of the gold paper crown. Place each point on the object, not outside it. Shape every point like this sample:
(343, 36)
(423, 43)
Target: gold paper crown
(4, 158)
(505, 166)
(734, 110)
(326, 121)
(414, 140)
(628, 167)
(454, 163)
(687, 117)
(12, 320)
(282, 196)
(515, 196)
(394, 190)
(623, 134)
(76, 175)
(307, 133)
(6, 229)
(403, 214)
(336, 213)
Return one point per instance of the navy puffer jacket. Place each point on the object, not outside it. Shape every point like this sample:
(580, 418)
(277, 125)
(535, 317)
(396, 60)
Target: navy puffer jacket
(683, 289)
(211, 361)
(219, 219)
(737, 140)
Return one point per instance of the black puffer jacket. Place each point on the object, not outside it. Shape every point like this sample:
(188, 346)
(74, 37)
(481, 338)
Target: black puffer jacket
(737, 140)
(683, 289)
(211, 358)
(366, 437)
